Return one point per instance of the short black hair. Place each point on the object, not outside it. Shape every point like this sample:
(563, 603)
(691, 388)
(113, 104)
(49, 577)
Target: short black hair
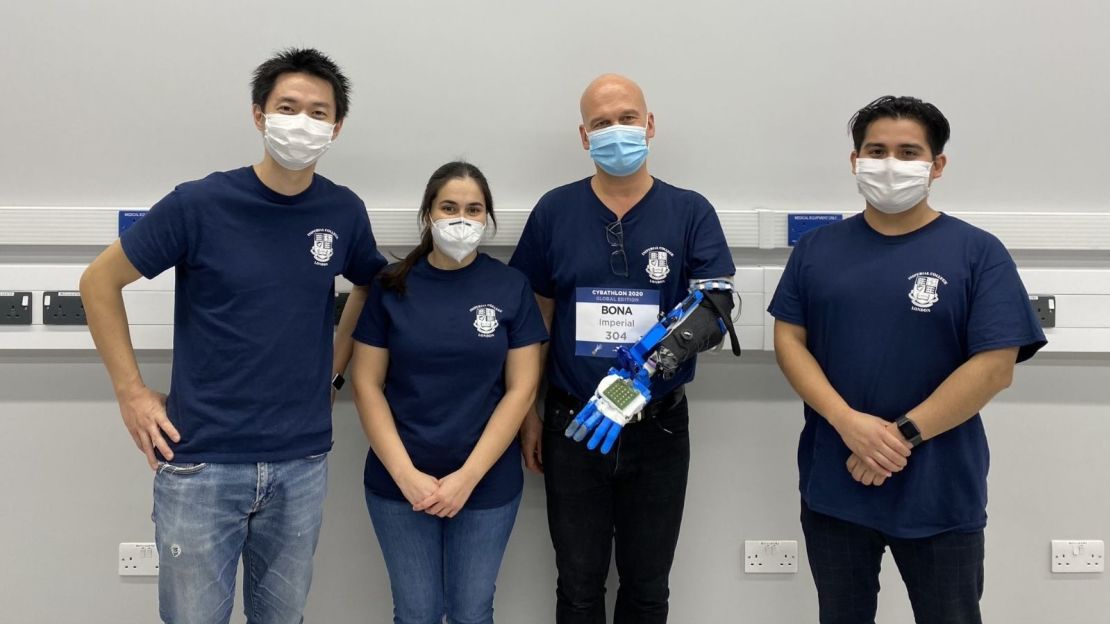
(937, 130)
(303, 61)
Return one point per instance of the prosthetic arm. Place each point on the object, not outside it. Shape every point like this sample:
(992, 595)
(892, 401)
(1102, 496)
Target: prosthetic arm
(696, 324)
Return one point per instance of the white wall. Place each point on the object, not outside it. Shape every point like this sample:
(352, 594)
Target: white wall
(113, 103)
(74, 487)
(118, 101)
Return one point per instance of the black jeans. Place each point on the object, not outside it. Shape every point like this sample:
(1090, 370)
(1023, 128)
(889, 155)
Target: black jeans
(633, 496)
(943, 573)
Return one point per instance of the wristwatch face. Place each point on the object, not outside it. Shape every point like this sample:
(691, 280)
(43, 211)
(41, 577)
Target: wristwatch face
(908, 430)
(337, 381)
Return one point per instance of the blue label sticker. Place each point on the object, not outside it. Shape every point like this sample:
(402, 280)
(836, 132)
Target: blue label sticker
(127, 218)
(798, 224)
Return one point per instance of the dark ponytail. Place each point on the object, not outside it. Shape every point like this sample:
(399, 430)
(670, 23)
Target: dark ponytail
(394, 278)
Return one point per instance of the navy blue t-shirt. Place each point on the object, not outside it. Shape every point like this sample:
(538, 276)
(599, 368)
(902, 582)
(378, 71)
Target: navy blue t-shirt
(448, 338)
(670, 237)
(254, 309)
(889, 318)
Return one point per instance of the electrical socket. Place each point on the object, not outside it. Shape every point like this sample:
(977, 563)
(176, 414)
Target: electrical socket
(770, 556)
(1045, 308)
(15, 308)
(62, 308)
(138, 559)
(1078, 556)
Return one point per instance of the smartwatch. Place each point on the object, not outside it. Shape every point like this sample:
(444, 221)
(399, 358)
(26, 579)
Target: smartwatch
(337, 381)
(908, 430)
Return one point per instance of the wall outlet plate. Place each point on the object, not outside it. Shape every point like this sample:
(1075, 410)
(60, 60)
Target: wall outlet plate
(138, 559)
(15, 307)
(62, 307)
(770, 556)
(1078, 556)
(1045, 307)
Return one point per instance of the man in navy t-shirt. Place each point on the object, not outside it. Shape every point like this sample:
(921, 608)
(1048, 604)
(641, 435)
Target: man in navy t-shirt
(604, 255)
(240, 443)
(896, 326)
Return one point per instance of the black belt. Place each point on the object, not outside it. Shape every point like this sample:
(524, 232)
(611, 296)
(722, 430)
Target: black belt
(657, 407)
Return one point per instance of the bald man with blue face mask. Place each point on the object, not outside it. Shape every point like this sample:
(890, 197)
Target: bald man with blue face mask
(604, 255)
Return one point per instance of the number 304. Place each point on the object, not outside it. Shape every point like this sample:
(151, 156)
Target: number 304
(612, 335)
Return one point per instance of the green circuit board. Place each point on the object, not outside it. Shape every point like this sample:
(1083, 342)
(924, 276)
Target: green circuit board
(621, 393)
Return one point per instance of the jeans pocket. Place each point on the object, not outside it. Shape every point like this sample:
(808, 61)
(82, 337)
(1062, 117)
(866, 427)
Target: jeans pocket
(556, 417)
(182, 469)
(676, 421)
(673, 429)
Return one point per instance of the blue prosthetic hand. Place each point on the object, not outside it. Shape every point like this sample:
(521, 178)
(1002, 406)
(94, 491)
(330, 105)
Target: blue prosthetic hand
(617, 400)
(626, 390)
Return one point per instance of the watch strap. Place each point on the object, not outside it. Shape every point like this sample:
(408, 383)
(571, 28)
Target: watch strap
(909, 430)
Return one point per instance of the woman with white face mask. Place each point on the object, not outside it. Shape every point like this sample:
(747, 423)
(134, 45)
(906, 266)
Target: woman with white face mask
(446, 365)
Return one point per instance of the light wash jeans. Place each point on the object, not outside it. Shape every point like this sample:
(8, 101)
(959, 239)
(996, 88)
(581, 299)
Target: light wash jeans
(207, 515)
(442, 566)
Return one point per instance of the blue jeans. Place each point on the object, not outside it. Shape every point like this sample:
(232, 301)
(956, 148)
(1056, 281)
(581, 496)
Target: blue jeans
(943, 573)
(206, 515)
(441, 566)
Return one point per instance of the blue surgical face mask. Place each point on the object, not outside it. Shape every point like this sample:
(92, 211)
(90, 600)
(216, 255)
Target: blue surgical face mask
(619, 150)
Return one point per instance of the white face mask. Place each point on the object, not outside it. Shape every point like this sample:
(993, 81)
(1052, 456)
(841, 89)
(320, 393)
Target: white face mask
(457, 238)
(296, 141)
(891, 185)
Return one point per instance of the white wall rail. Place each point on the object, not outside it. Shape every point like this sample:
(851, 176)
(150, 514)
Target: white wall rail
(1082, 307)
(744, 228)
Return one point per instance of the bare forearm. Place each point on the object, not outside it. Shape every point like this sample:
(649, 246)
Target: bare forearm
(544, 348)
(381, 430)
(808, 380)
(547, 313)
(344, 343)
(502, 427)
(107, 319)
(964, 392)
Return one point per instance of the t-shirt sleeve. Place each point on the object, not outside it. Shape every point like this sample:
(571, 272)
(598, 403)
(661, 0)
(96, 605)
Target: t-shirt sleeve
(364, 261)
(1000, 315)
(160, 239)
(532, 252)
(788, 302)
(709, 255)
(527, 325)
(373, 322)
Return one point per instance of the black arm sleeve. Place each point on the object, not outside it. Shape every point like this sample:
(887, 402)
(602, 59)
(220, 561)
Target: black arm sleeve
(700, 331)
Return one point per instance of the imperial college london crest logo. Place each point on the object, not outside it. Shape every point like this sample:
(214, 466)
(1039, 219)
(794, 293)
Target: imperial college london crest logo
(485, 319)
(925, 292)
(322, 243)
(657, 263)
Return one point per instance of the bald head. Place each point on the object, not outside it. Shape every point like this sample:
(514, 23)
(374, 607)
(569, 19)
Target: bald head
(613, 98)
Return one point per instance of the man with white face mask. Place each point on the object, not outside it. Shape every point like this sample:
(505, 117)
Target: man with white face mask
(240, 444)
(896, 326)
(604, 256)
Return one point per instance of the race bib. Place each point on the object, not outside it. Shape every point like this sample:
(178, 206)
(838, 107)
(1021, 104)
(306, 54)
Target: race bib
(607, 318)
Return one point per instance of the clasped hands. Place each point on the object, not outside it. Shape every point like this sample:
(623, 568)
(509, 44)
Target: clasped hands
(878, 449)
(443, 498)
